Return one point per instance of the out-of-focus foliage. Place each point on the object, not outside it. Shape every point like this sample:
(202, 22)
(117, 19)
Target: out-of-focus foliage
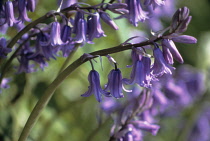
(70, 117)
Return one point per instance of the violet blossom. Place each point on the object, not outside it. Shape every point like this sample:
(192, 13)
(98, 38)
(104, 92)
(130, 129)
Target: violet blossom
(94, 29)
(9, 14)
(106, 18)
(95, 86)
(55, 35)
(115, 84)
(140, 73)
(136, 13)
(172, 50)
(45, 50)
(31, 4)
(80, 28)
(160, 65)
(23, 16)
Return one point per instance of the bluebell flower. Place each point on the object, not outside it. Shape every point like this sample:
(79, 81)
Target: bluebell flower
(46, 50)
(167, 55)
(66, 33)
(186, 39)
(23, 16)
(94, 29)
(106, 18)
(80, 30)
(136, 13)
(9, 14)
(79, 15)
(115, 84)
(31, 4)
(160, 65)
(171, 48)
(95, 86)
(3, 48)
(140, 73)
(55, 35)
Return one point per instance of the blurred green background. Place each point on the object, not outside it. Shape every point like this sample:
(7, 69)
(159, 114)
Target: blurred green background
(70, 117)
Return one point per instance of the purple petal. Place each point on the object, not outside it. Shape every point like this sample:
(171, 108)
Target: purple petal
(185, 39)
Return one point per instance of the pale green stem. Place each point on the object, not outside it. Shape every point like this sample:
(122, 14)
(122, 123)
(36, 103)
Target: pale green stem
(46, 97)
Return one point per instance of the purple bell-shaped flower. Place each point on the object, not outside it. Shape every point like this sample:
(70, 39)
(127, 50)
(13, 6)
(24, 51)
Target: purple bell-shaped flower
(115, 84)
(9, 14)
(95, 86)
(160, 65)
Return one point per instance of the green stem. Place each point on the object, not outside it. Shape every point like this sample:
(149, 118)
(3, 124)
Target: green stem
(46, 97)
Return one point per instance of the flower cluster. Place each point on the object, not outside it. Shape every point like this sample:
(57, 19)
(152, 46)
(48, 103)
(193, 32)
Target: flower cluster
(7, 11)
(63, 36)
(151, 67)
(140, 111)
(143, 71)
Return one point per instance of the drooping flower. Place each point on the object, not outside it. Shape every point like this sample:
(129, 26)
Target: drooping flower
(167, 55)
(55, 35)
(140, 73)
(31, 4)
(80, 28)
(23, 16)
(160, 65)
(171, 47)
(45, 50)
(186, 39)
(106, 18)
(95, 86)
(136, 13)
(94, 29)
(115, 84)
(9, 14)
(66, 33)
